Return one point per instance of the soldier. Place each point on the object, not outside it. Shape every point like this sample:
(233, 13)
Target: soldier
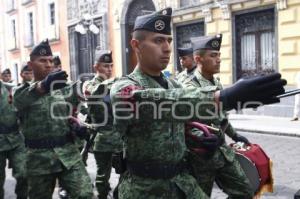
(187, 63)
(12, 143)
(51, 153)
(107, 141)
(155, 143)
(6, 75)
(26, 74)
(57, 63)
(220, 164)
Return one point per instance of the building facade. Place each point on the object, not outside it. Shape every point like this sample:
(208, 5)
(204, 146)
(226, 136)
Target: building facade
(87, 29)
(259, 36)
(24, 23)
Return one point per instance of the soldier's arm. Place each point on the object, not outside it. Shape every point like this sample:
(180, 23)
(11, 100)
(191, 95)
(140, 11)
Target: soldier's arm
(26, 94)
(172, 104)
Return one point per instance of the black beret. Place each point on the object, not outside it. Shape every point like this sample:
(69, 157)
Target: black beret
(184, 51)
(56, 60)
(207, 42)
(104, 56)
(42, 49)
(25, 68)
(155, 22)
(6, 71)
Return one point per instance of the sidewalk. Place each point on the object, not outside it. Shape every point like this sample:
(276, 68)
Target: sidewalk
(265, 124)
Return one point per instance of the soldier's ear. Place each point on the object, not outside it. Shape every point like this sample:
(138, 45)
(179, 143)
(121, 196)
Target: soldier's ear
(196, 58)
(135, 44)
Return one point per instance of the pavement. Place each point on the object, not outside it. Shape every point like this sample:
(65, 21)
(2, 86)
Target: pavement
(281, 126)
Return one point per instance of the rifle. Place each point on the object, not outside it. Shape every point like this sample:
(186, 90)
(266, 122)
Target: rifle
(289, 93)
(89, 143)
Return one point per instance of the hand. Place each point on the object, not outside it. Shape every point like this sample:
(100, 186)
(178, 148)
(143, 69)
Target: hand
(239, 138)
(210, 143)
(51, 78)
(79, 129)
(260, 90)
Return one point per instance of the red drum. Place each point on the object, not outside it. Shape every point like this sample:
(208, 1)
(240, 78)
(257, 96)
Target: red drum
(256, 165)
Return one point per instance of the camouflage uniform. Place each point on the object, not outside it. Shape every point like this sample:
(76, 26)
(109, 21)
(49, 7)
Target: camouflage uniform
(12, 144)
(51, 154)
(107, 141)
(181, 77)
(157, 143)
(222, 165)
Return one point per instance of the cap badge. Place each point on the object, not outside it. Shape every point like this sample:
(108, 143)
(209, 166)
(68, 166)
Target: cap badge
(43, 51)
(159, 25)
(215, 44)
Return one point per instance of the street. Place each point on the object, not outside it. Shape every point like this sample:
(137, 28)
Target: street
(284, 152)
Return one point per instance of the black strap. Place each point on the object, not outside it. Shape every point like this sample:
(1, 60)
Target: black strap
(7, 130)
(155, 170)
(48, 143)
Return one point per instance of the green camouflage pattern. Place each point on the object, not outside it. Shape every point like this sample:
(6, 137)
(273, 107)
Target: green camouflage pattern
(12, 144)
(39, 123)
(74, 180)
(107, 139)
(221, 165)
(148, 139)
(183, 75)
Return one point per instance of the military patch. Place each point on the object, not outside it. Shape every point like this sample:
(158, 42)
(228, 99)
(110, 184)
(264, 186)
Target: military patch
(43, 51)
(159, 25)
(215, 43)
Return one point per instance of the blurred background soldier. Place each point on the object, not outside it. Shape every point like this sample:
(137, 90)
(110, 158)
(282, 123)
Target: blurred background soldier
(57, 63)
(107, 141)
(26, 74)
(6, 75)
(48, 133)
(219, 162)
(187, 63)
(12, 146)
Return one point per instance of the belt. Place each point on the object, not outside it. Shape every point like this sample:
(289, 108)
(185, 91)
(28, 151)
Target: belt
(8, 130)
(48, 143)
(155, 170)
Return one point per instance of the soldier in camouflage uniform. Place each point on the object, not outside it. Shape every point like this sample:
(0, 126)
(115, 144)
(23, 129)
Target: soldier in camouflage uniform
(12, 143)
(51, 153)
(155, 143)
(187, 63)
(221, 164)
(107, 141)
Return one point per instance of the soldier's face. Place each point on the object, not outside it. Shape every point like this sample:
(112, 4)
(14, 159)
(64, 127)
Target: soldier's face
(27, 76)
(104, 69)
(154, 51)
(211, 62)
(6, 77)
(187, 61)
(41, 66)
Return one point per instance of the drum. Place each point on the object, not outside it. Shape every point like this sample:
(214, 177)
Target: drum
(256, 165)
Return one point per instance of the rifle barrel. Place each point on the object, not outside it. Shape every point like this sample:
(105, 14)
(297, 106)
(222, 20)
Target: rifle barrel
(289, 93)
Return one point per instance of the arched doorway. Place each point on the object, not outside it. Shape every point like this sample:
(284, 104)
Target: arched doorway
(133, 9)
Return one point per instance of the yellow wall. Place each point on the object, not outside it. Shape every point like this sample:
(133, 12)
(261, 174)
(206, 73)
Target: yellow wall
(288, 32)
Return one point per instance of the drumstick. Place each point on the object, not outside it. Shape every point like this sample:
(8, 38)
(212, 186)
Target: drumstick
(289, 93)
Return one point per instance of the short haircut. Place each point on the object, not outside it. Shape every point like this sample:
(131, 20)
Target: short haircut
(139, 35)
(200, 52)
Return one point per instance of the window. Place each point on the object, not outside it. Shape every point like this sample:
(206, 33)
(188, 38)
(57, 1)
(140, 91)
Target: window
(255, 43)
(13, 33)
(29, 36)
(52, 13)
(11, 5)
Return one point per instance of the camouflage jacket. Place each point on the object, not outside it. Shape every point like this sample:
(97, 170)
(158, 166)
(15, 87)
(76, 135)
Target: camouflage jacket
(157, 139)
(8, 120)
(181, 77)
(89, 85)
(107, 139)
(45, 117)
(198, 81)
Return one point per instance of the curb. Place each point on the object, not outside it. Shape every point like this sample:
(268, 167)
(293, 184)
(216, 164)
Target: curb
(267, 132)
